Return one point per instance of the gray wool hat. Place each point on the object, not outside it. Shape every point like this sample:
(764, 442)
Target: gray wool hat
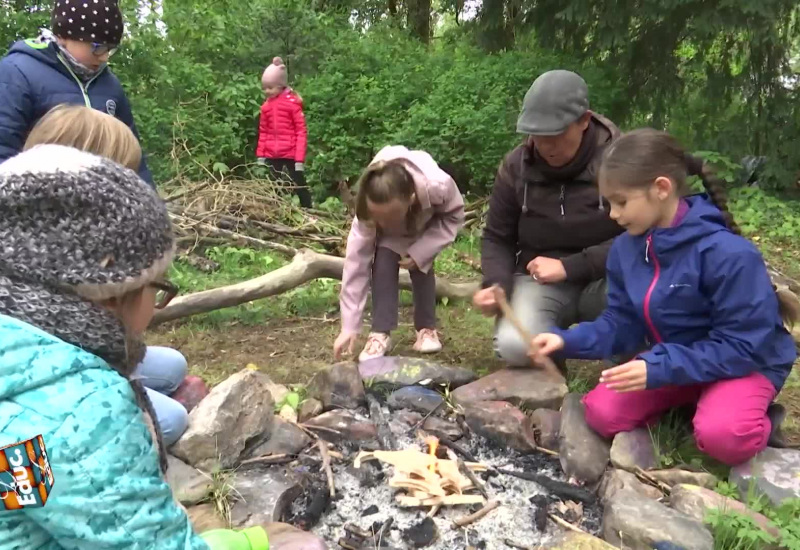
(554, 101)
(73, 220)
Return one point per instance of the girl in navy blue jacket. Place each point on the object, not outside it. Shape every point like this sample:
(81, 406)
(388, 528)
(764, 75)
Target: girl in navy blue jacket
(685, 286)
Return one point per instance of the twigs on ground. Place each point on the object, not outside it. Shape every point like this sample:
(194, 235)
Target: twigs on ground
(270, 459)
(562, 490)
(518, 546)
(566, 525)
(326, 464)
(650, 480)
(472, 518)
(473, 478)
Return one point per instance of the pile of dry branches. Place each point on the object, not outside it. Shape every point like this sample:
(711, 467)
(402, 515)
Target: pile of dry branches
(259, 213)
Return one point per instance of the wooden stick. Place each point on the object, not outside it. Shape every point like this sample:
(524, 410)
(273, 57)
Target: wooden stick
(434, 510)
(661, 486)
(321, 428)
(472, 518)
(546, 451)
(326, 464)
(270, 459)
(566, 524)
(527, 337)
(473, 478)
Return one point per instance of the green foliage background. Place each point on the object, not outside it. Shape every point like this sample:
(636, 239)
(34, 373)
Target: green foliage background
(720, 74)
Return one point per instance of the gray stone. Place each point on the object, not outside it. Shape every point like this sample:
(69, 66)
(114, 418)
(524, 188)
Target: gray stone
(501, 423)
(283, 536)
(695, 502)
(346, 426)
(416, 398)
(615, 481)
(204, 517)
(546, 424)
(261, 496)
(288, 413)
(439, 427)
(677, 476)
(286, 438)
(528, 388)
(632, 450)
(636, 522)
(189, 485)
(236, 411)
(773, 472)
(407, 371)
(309, 408)
(338, 387)
(583, 454)
(278, 391)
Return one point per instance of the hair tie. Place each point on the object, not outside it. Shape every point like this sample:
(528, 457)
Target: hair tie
(694, 165)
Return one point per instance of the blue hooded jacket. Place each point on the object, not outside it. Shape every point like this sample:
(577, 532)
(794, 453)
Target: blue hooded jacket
(34, 78)
(108, 492)
(700, 294)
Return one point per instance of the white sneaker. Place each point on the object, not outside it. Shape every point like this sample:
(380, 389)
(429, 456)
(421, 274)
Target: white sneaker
(427, 341)
(378, 344)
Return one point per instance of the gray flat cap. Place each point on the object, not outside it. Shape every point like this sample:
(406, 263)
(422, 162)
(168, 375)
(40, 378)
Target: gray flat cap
(554, 101)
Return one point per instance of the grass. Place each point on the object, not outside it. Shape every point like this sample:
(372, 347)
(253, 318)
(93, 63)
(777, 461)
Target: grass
(735, 531)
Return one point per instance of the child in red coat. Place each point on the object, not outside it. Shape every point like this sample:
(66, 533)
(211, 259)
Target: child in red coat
(282, 130)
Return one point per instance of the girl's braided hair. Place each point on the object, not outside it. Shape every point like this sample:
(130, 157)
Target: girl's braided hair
(637, 158)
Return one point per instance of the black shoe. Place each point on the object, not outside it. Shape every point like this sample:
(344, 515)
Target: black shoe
(776, 414)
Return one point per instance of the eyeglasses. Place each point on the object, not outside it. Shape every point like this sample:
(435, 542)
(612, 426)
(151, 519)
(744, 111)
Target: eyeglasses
(99, 49)
(166, 291)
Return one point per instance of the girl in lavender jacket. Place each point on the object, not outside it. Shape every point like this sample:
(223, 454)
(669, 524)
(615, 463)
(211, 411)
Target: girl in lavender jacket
(407, 210)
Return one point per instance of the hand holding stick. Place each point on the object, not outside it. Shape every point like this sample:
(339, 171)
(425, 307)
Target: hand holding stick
(508, 313)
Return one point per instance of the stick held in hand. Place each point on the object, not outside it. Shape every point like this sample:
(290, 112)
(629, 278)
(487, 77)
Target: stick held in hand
(508, 313)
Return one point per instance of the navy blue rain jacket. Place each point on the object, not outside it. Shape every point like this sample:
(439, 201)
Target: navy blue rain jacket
(34, 78)
(700, 294)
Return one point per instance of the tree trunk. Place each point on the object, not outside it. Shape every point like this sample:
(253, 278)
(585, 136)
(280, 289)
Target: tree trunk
(419, 19)
(306, 266)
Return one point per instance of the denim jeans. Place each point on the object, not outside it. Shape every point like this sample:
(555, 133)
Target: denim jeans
(161, 372)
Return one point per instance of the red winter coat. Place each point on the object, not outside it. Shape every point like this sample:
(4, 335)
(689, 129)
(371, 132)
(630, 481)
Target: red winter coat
(282, 128)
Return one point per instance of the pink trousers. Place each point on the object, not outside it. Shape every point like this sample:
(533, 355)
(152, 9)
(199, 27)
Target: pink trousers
(730, 424)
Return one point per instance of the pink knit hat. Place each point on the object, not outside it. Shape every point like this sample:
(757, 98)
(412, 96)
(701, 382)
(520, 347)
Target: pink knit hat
(275, 74)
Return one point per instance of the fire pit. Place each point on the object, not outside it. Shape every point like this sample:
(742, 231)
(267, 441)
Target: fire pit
(438, 493)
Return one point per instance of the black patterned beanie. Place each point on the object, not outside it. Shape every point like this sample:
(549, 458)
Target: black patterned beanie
(97, 21)
(77, 229)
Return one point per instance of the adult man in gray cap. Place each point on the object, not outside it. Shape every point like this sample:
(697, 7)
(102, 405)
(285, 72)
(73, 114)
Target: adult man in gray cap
(548, 232)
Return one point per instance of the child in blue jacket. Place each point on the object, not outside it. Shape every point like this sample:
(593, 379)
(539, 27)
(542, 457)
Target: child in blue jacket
(687, 288)
(68, 65)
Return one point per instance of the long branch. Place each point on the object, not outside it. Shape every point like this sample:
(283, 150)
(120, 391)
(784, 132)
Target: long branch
(306, 265)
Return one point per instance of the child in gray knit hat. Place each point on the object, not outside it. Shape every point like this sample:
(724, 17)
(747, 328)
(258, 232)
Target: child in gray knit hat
(162, 371)
(84, 246)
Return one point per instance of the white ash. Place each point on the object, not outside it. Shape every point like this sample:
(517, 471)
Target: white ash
(512, 520)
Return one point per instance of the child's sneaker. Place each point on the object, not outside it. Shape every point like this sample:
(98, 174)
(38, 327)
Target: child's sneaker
(377, 345)
(427, 341)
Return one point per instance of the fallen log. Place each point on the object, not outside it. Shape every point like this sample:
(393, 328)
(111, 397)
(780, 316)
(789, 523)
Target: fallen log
(306, 266)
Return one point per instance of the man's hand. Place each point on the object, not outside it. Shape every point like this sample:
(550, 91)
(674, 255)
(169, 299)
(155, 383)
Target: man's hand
(485, 301)
(547, 270)
(407, 262)
(345, 342)
(631, 376)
